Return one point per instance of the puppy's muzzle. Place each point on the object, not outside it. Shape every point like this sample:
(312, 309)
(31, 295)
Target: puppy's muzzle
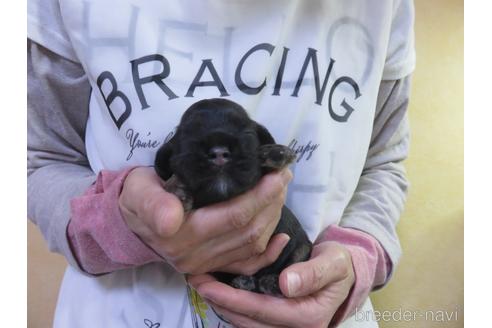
(219, 155)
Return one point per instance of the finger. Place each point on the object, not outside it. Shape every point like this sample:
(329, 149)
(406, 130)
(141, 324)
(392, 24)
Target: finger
(144, 231)
(244, 243)
(144, 198)
(239, 320)
(286, 175)
(269, 218)
(250, 266)
(250, 244)
(274, 310)
(247, 260)
(162, 211)
(329, 263)
(234, 246)
(138, 180)
(196, 280)
(217, 219)
(210, 264)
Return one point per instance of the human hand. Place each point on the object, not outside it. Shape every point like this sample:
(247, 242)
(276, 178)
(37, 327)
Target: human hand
(233, 236)
(315, 289)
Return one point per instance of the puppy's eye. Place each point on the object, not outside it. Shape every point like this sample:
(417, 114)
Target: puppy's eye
(249, 141)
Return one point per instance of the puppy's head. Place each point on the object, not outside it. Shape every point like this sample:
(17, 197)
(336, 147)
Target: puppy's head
(214, 151)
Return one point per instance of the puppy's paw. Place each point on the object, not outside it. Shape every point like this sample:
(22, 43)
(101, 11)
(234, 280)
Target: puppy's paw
(174, 186)
(301, 253)
(275, 157)
(268, 284)
(244, 283)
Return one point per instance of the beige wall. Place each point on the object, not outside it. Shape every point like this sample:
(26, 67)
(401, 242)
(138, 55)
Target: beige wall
(44, 274)
(430, 275)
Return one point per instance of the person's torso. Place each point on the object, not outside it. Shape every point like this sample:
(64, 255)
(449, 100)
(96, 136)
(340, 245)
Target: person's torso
(309, 71)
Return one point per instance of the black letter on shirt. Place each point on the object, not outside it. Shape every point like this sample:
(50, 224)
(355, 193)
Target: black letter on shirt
(311, 56)
(239, 81)
(157, 79)
(207, 63)
(280, 73)
(115, 93)
(348, 108)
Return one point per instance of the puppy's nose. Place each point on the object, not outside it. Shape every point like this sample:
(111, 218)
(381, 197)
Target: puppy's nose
(219, 155)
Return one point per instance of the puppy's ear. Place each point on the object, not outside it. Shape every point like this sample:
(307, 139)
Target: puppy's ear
(264, 136)
(162, 163)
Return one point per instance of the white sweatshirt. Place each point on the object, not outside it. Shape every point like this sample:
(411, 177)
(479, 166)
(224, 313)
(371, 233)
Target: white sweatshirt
(309, 71)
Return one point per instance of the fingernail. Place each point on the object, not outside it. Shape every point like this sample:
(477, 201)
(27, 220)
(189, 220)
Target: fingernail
(293, 282)
(286, 176)
(285, 239)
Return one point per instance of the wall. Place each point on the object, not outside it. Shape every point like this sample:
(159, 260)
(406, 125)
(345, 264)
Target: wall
(430, 275)
(44, 274)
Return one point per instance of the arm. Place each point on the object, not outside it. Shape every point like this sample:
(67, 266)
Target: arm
(378, 201)
(58, 170)
(98, 223)
(61, 184)
(346, 262)
(368, 226)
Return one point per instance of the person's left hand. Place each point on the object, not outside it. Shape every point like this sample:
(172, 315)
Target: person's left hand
(314, 291)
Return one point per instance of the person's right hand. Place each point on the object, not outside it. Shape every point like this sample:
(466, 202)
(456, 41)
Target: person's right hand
(233, 236)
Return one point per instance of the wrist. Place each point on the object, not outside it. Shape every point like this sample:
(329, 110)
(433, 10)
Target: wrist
(99, 236)
(370, 265)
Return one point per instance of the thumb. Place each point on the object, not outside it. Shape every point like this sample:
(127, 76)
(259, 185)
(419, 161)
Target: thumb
(160, 210)
(165, 212)
(327, 265)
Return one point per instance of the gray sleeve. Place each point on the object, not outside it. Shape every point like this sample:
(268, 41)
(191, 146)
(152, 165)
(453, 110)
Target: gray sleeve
(379, 198)
(58, 170)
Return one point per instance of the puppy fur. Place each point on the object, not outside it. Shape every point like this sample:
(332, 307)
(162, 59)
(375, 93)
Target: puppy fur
(217, 153)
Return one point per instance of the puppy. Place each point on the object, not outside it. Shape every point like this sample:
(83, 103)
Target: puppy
(217, 153)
